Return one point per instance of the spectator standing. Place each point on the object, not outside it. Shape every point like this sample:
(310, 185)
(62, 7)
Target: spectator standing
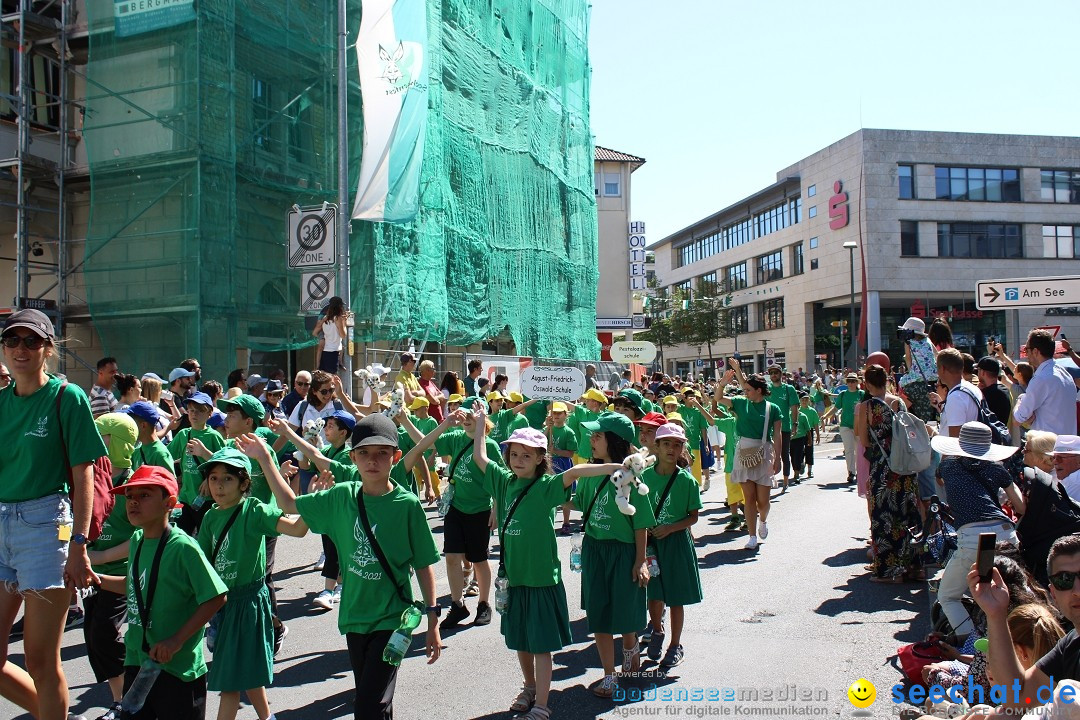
(1067, 463)
(1050, 401)
(475, 367)
(102, 399)
(130, 388)
(590, 377)
(962, 399)
(430, 391)
(919, 356)
(332, 326)
(996, 394)
(301, 384)
(407, 378)
(275, 392)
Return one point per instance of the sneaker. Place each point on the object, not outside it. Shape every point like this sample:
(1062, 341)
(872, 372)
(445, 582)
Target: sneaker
(672, 657)
(656, 646)
(321, 562)
(113, 713)
(75, 617)
(280, 631)
(706, 484)
(483, 614)
(752, 543)
(456, 614)
(472, 589)
(810, 473)
(324, 600)
(762, 529)
(335, 597)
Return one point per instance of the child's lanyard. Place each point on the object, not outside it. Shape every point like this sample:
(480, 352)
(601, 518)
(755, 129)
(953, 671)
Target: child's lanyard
(454, 463)
(225, 532)
(144, 608)
(663, 495)
(337, 452)
(506, 522)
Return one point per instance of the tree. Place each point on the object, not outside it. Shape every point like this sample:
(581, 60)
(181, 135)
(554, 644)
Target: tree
(658, 307)
(707, 318)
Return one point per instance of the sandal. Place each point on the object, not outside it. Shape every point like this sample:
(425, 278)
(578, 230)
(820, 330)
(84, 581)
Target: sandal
(524, 700)
(606, 687)
(631, 659)
(537, 712)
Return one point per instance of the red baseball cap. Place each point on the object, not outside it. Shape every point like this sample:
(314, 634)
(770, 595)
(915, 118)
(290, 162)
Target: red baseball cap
(149, 476)
(653, 418)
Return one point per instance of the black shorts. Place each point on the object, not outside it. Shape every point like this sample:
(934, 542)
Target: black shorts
(467, 533)
(171, 698)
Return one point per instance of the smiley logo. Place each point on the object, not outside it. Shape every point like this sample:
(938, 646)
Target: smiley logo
(862, 693)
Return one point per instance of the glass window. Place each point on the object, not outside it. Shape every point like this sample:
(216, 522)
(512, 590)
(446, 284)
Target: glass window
(980, 240)
(770, 267)
(813, 211)
(797, 259)
(612, 182)
(1061, 241)
(261, 113)
(976, 184)
(909, 238)
(811, 191)
(813, 243)
(1061, 186)
(740, 319)
(772, 314)
(735, 277)
(813, 264)
(906, 176)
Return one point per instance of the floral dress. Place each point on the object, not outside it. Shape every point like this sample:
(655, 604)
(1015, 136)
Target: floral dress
(893, 500)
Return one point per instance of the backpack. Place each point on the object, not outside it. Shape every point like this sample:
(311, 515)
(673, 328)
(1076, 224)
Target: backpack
(1051, 514)
(1000, 435)
(910, 449)
(103, 482)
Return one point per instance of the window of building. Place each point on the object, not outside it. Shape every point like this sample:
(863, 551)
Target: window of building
(813, 264)
(797, 267)
(739, 318)
(735, 277)
(1061, 241)
(732, 235)
(906, 176)
(980, 240)
(909, 238)
(813, 243)
(770, 267)
(811, 191)
(261, 114)
(612, 184)
(813, 211)
(978, 184)
(1061, 186)
(708, 280)
(44, 81)
(772, 314)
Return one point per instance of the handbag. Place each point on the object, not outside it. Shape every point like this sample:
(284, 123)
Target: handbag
(914, 657)
(754, 458)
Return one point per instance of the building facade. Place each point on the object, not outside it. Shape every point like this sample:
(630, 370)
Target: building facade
(892, 223)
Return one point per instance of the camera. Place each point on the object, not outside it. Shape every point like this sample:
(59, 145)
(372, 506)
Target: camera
(905, 335)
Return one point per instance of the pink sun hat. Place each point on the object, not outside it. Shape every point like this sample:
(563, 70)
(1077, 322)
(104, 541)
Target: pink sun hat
(529, 438)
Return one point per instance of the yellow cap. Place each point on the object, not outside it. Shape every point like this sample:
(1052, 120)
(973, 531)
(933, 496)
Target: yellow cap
(611, 407)
(558, 407)
(516, 397)
(419, 402)
(455, 398)
(493, 395)
(671, 400)
(675, 417)
(594, 394)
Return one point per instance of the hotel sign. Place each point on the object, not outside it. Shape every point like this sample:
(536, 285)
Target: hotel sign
(637, 255)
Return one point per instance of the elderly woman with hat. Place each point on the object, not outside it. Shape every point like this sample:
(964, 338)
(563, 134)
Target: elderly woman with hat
(973, 475)
(919, 357)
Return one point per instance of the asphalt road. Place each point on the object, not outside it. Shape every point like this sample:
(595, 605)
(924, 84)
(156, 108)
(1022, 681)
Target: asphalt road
(798, 616)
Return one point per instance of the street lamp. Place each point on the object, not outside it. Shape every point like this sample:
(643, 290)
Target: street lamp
(850, 246)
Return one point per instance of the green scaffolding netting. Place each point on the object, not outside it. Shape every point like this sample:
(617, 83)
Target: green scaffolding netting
(201, 134)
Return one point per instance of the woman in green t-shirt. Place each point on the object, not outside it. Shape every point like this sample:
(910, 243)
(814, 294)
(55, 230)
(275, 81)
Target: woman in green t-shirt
(536, 621)
(757, 457)
(613, 569)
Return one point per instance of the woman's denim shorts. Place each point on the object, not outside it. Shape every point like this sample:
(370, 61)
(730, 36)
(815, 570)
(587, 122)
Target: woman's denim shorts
(32, 556)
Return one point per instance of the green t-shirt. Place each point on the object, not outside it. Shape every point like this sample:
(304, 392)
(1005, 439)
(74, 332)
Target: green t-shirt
(531, 554)
(469, 493)
(425, 426)
(726, 424)
(563, 438)
(847, 400)
(190, 477)
(536, 414)
(581, 415)
(785, 397)
(750, 417)
(349, 473)
(684, 497)
(155, 454)
(803, 427)
(260, 488)
(115, 531)
(506, 422)
(241, 560)
(33, 465)
(340, 454)
(696, 427)
(816, 396)
(607, 522)
(811, 416)
(185, 581)
(369, 601)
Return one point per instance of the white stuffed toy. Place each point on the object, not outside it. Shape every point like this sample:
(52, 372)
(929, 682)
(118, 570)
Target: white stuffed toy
(371, 378)
(397, 402)
(628, 477)
(312, 433)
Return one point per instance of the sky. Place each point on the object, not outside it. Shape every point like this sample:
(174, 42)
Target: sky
(719, 95)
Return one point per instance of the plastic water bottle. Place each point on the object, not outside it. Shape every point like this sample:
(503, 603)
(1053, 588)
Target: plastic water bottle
(502, 592)
(198, 502)
(650, 560)
(135, 697)
(401, 640)
(445, 499)
(575, 557)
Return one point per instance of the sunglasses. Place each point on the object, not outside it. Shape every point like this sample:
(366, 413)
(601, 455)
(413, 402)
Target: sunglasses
(302, 384)
(30, 342)
(1064, 580)
(325, 391)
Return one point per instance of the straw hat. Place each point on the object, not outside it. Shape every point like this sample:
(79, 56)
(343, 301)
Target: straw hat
(974, 442)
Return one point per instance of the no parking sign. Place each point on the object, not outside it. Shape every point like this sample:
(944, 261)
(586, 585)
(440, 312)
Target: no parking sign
(316, 289)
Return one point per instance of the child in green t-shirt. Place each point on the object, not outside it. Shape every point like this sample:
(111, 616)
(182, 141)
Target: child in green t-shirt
(186, 448)
(427, 480)
(813, 437)
(232, 539)
(725, 425)
(563, 443)
(171, 591)
(150, 450)
(535, 621)
(381, 530)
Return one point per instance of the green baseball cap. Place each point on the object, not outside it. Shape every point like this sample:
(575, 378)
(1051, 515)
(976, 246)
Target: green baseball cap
(634, 398)
(227, 456)
(247, 404)
(613, 422)
(467, 403)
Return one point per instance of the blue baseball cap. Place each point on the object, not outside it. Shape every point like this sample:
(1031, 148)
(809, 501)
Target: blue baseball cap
(216, 420)
(177, 373)
(344, 418)
(152, 376)
(200, 398)
(144, 410)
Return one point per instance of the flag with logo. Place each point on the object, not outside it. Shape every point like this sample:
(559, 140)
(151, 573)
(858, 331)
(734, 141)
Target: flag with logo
(391, 51)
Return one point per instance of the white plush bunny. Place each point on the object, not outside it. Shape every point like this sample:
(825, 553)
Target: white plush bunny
(397, 402)
(371, 379)
(312, 432)
(628, 477)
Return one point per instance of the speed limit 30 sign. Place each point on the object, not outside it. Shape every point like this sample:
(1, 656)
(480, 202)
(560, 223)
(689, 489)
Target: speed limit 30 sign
(313, 236)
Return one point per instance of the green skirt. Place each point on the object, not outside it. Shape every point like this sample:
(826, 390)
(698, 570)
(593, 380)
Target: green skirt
(244, 648)
(537, 619)
(613, 603)
(678, 583)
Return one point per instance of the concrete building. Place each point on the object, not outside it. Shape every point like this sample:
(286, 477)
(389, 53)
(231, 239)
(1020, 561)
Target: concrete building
(925, 215)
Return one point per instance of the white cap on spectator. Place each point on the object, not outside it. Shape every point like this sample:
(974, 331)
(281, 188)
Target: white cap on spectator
(1067, 445)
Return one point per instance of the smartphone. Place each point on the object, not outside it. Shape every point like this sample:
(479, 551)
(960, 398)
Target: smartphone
(985, 558)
